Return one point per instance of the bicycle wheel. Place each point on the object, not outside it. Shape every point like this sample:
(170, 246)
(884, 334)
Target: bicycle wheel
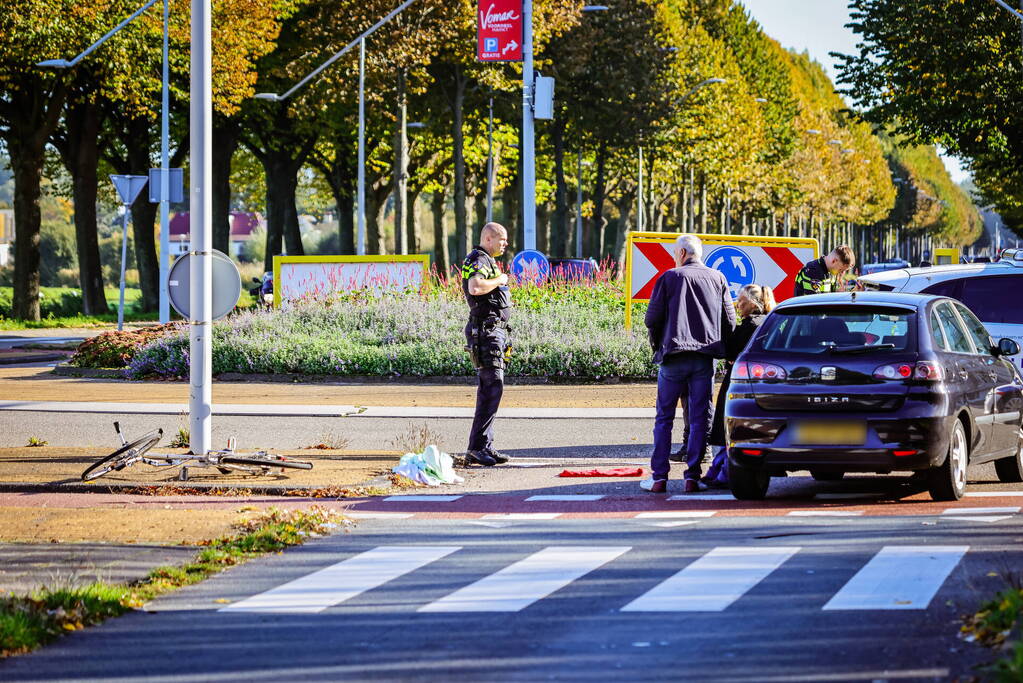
(127, 455)
(266, 460)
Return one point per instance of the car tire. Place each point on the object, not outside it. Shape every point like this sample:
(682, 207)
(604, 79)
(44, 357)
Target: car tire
(748, 484)
(1010, 470)
(947, 481)
(826, 475)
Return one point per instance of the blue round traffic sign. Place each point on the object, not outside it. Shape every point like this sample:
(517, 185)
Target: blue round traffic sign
(736, 265)
(530, 265)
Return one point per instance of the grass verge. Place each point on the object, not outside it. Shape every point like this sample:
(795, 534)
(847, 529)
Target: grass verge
(28, 622)
(996, 625)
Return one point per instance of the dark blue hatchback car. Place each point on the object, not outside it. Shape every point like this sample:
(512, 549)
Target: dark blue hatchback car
(873, 382)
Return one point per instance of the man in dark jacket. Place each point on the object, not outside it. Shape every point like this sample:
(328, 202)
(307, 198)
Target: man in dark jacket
(690, 314)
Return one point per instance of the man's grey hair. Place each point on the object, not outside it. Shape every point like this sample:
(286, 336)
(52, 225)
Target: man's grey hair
(692, 245)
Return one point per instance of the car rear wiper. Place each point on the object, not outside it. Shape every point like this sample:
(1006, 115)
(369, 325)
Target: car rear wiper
(863, 348)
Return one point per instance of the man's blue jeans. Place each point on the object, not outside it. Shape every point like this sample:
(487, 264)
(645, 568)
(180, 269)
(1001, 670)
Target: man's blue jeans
(683, 374)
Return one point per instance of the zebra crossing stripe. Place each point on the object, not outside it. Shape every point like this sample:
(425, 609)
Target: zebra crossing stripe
(899, 577)
(342, 581)
(566, 498)
(521, 584)
(981, 511)
(714, 581)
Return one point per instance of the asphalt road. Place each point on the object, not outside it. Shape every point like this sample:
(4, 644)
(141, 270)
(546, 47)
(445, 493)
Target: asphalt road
(719, 599)
(525, 437)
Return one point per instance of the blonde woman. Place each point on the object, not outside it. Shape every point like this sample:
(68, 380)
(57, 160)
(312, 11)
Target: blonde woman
(753, 305)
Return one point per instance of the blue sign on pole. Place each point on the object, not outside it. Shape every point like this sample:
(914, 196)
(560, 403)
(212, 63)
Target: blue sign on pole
(736, 265)
(530, 265)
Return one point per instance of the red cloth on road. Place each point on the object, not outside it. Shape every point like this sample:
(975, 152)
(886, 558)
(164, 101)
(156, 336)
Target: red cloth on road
(604, 472)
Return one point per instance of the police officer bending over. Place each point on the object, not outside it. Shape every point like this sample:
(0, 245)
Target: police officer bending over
(486, 336)
(825, 274)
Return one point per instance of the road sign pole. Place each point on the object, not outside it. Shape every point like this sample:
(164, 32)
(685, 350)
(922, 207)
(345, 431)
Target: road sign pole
(200, 396)
(124, 265)
(528, 162)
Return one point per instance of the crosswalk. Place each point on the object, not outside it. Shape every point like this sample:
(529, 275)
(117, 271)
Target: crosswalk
(903, 577)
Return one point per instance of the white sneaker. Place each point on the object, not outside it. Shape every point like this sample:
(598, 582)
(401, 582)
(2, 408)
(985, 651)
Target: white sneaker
(654, 485)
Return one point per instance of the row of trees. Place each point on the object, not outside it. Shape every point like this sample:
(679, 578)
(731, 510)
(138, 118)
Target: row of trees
(772, 147)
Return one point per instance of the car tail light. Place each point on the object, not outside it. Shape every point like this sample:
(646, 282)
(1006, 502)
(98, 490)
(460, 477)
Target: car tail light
(752, 451)
(922, 370)
(758, 371)
(904, 453)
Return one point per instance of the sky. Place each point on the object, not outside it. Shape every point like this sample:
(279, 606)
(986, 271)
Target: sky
(817, 26)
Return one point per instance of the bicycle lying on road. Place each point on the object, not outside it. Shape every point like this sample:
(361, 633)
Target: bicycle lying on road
(226, 461)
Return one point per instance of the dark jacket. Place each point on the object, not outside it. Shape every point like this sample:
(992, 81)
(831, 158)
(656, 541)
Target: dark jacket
(690, 310)
(815, 278)
(734, 345)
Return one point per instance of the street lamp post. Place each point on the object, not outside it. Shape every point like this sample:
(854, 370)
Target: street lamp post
(361, 42)
(200, 388)
(490, 162)
(528, 139)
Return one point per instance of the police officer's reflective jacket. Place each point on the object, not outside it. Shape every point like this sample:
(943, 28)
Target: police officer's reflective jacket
(815, 278)
(496, 304)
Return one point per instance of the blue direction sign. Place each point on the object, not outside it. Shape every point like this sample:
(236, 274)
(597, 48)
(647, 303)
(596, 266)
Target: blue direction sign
(736, 265)
(530, 265)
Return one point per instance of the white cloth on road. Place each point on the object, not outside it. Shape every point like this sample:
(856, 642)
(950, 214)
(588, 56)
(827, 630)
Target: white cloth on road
(431, 467)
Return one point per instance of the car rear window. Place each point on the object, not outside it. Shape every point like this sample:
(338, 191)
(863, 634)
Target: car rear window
(815, 329)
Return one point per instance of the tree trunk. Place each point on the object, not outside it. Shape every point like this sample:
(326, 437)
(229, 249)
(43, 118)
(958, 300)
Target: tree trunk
(401, 169)
(143, 215)
(703, 204)
(510, 210)
(543, 228)
(624, 205)
(27, 165)
(81, 157)
(275, 167)
(225, 142)
(440, 233)
(413, 226)
(463, 238)
(559, 227)
(599, 192)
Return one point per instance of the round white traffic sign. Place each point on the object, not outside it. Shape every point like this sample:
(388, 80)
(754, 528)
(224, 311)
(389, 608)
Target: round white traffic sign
(227, 285)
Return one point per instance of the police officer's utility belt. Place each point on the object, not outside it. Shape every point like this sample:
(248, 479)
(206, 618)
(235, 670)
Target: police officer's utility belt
(488, 323)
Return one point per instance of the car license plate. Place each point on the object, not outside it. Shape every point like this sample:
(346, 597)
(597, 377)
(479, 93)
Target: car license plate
(831, 433)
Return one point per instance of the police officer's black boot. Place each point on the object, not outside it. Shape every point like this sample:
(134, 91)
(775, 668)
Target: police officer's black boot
(499, 457)
(480, 458)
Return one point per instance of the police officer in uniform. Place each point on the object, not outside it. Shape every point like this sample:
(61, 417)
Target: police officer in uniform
(824, 274)
(486, 291)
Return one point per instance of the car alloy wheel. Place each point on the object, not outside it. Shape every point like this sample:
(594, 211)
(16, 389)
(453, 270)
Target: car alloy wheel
(948, 480)
(1010, 470)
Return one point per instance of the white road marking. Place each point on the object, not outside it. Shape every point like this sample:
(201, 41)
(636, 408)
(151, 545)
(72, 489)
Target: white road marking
(703, 496)
(899, 577)
(979, 518)
(565, 497)
(522, 515)
(993, 494)
(342, 581)
(421, 499)
(521, 584)
(981, 511)
(670, 525)
(355, 514)
(714, 581)
(825, 513)
(672, 514)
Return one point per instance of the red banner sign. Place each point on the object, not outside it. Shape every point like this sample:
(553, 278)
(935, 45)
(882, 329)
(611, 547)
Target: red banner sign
(499, 31)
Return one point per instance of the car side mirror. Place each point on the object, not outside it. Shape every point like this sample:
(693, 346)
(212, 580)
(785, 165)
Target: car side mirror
(1007, 347)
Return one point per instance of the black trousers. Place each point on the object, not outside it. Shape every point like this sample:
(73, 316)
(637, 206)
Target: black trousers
(489, 343)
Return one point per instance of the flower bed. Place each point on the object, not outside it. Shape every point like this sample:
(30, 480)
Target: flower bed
(562, 329)
(117, 349)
